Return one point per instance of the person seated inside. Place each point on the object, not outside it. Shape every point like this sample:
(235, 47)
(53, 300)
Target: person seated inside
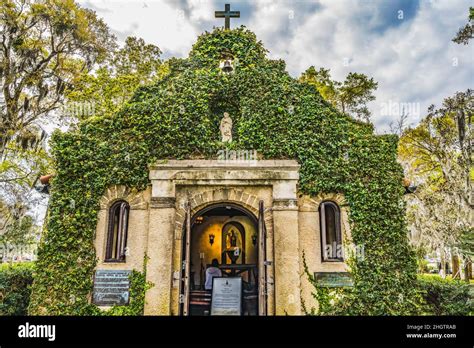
(211, 272)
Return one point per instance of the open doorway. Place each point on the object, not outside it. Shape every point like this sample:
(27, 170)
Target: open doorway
(229, 234)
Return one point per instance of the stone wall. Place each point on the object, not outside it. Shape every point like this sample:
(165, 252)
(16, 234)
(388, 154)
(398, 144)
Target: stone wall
(157, 220)
(310, 239)
(137, 239)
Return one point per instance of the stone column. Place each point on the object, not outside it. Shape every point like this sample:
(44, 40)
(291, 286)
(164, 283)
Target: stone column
(286, 243)
(160, 254)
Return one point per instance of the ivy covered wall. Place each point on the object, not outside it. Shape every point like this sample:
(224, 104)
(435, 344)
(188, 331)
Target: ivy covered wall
(178, 117)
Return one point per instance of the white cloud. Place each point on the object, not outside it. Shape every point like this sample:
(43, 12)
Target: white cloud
(155, 21)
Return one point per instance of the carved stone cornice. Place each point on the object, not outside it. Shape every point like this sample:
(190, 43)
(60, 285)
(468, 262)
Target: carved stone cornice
(136, 199)
(162, 202)
(285, 204)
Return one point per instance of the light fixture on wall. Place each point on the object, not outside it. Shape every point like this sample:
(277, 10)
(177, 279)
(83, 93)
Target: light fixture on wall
(254, 239)
(211, 238)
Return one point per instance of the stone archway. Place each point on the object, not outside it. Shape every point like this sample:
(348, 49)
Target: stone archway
(207, 198)
(197, 252)
(218, 196)
(136, 199)
(206, 182)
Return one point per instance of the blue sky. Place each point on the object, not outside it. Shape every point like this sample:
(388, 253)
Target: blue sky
(404, 44)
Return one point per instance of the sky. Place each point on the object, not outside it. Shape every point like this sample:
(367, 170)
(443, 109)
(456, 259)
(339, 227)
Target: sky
(405, 45)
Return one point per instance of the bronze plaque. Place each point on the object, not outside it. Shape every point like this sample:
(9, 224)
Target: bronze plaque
(333, 279)
(111, 287)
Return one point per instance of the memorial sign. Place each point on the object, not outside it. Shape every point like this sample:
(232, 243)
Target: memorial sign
(226, 296)
(111, 287)
(333, 279)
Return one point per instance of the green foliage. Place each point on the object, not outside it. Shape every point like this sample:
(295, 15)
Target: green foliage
(106, 90)
(445, 297)
(46, 44)
(15, 288)
(466, 242)
(350, 96)
(466, 33)
(330, 301)
(178, 117)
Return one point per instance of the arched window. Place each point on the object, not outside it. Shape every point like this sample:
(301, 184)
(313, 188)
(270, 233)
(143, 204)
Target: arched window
(117, 232)
(331, 238)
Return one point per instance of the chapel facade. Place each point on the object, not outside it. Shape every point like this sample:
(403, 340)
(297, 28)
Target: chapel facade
(247, 215)
(161, 188)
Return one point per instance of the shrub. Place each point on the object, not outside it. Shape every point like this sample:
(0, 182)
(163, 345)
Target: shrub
(15, 288)
(445, 297)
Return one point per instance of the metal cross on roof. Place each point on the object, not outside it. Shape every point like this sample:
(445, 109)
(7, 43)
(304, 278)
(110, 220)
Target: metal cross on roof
(227, 14)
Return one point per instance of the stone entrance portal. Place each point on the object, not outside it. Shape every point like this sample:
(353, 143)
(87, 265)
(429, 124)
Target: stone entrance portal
(182, 189)
(227, 234)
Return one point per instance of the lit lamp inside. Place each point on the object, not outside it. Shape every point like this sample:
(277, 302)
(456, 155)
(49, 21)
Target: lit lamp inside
(211, 238)
(254, 239)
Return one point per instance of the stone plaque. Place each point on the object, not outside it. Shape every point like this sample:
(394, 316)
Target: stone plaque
(111, 287)
(333, 279)
(226, 296)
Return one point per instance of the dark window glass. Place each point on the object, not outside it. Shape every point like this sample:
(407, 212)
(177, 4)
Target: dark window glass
(331, 239)
(117, 232)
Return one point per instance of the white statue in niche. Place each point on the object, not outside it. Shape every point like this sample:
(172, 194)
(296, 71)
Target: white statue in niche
(226, 128)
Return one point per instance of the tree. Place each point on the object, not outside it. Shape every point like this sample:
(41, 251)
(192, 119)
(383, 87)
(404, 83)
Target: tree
(115, 81)
(460, 109)
(355, 93)
(321, 79)
(466, 33)
(44, 45)
(437, 155)
(17, 227)
(350, 97)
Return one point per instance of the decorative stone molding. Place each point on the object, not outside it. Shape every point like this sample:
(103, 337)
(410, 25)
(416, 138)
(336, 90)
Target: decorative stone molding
(307, 203)
(285, 204)
(229, 195)
(204, 183)
(136, 199)
(162, 202)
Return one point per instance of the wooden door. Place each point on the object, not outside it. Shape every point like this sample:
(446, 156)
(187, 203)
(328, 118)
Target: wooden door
(262, 261)
(187, 260)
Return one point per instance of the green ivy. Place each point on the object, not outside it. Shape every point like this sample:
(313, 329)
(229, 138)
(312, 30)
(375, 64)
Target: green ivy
(15, 288)
(178, 117)
(329, 301)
